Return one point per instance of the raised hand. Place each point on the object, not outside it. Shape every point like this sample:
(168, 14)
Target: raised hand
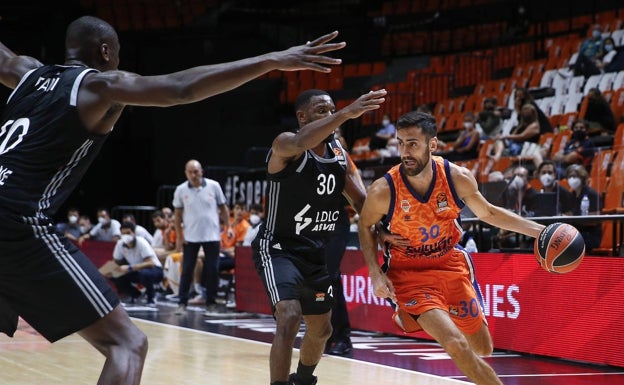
(308, 56)
(367, 102)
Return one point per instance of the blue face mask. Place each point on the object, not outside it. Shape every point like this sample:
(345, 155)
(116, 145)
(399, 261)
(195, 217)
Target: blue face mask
(596, 34)
(608, 47)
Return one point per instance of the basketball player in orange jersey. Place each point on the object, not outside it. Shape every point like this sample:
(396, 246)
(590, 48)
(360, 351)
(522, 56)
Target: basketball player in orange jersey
(427, 275)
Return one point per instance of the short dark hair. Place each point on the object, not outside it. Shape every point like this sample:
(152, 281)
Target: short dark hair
(158, 214)
(545, 163)
(128, 225)
(424, 121)
(305, 96)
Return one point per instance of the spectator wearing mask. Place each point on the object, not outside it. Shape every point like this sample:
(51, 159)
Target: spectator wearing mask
(106, 230)
(138, 229)
(577, 177)
(489, 120)
(255, 220)
(138, 264)
(527, 130)
(385, 133)
(71, 228)
(580, 150)
(466, 145)
(547, 174)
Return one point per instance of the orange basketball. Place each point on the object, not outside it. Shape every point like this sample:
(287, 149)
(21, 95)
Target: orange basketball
(559, 248)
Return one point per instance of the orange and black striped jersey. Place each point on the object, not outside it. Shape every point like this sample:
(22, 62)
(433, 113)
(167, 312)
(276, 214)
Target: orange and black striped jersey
(431, 222)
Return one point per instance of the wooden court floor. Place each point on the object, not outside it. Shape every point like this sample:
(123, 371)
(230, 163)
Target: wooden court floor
(179, 356)
(234, 349)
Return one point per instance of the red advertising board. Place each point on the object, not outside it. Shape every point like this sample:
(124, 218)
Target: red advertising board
(574, 316)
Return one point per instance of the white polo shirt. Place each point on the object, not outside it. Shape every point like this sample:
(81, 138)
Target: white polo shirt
(200, 218)
(137, 254)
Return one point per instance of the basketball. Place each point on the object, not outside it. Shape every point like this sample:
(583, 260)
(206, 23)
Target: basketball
(559, 248)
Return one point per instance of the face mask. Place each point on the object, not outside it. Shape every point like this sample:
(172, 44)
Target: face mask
(608, 47)
(596, 34)
(73, 219)
(547, 179)
(574, 182)
(102, 220)
(579, 135)
(517, 183)
(83, 229)
(127, 238)
(467, 125)
(254, 219)
(385, 122)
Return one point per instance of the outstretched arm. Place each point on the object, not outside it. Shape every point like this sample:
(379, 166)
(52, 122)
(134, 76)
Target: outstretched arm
(13, 67)
(288, 145)
(198, 83)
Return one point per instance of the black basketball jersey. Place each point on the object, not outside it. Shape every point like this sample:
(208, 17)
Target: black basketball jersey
(304, 202)
(44, 148)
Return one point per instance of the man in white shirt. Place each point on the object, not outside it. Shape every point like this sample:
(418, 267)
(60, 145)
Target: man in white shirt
(138, 264)
(199, 209)
(139, 230)
(106, 230)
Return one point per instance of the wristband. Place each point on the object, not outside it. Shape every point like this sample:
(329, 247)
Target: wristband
(129, 267)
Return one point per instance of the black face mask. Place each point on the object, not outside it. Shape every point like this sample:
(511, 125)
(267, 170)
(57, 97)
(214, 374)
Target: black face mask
(579, 135)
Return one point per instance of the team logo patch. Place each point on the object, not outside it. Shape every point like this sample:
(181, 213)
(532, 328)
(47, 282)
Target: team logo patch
(320, 297)
(453, 310)
(405, 205)
(338, 152)
(442, 201)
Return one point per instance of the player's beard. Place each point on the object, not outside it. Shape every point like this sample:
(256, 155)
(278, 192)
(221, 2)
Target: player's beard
(418, 165)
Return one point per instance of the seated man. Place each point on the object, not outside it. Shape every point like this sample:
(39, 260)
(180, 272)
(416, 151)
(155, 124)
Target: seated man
(138, 264)
(107, 229)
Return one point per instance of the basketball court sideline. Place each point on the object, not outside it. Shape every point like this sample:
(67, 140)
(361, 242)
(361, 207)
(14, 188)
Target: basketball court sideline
(234, 348)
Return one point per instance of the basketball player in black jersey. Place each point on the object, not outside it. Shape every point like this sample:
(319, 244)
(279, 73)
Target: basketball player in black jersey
(52, 127)
(308, 174)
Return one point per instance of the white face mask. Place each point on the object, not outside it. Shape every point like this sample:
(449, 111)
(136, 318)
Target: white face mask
(608, 47)
(73, 219)
(254, 219)
(385, 122)
(467, 125)
(547, 179)
(574, 182)
(517, 183)
(83, 229)
(127, 238)
(102, 220)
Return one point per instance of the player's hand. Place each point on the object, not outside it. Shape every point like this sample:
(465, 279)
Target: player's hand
(382, 287)
(387, 238)
(367, 102)
(308, 56)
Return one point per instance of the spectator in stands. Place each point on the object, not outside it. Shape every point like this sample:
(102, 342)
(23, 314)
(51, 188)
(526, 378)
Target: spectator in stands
(520, 196)
(527, 130)
(424, 108)
(599, 116)
(489, 120)
(587, 66)
(386, 132)
(522, 96)
(164, 237)
(84, 224)
(138, 264)
(577, 177)
(71, 228)
(139, 230)
(591, 47)
(466, 145)
(239, 225)
(200, 206)
(579, 150)
(547, 174)
(106, 230)
(168, 213)
(255, 220)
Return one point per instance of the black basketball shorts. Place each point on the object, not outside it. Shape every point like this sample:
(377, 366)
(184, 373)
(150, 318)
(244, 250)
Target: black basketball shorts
(286, 276)
(49, 282)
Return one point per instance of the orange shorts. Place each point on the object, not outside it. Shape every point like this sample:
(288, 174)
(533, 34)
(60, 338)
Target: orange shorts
(451, 291)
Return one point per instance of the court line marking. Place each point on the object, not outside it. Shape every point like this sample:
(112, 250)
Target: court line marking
(413, 372)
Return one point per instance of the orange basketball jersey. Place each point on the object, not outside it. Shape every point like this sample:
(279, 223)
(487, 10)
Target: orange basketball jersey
(431, 222)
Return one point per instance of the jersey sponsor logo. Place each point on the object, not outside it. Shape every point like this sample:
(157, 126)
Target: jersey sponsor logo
(430, 250)
(323, 220)
(405, 205)
(4, 173)
(442, 202)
